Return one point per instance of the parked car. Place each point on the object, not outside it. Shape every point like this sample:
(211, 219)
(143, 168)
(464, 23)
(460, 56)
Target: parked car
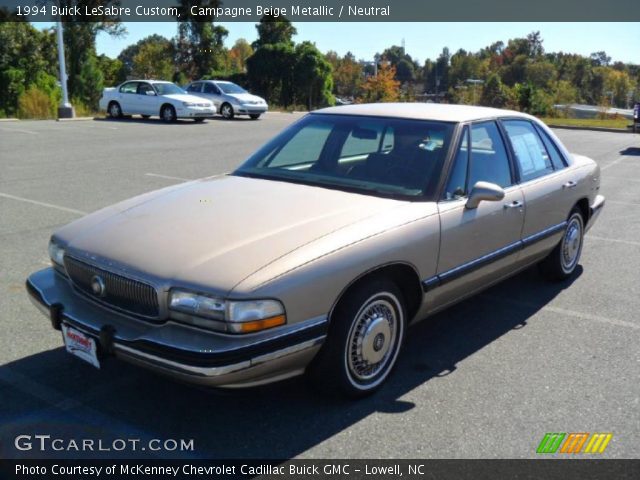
(230, 99)
(320, 250)
(153, 97)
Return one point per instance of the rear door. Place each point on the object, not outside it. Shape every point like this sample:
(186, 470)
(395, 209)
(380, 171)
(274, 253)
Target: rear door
(478, 246)
(548, 187)
(127, 97)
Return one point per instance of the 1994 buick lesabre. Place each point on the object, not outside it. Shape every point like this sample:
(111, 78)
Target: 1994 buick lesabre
(318, 252)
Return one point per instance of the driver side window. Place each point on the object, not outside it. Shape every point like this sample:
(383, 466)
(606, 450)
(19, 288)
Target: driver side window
(482, 157)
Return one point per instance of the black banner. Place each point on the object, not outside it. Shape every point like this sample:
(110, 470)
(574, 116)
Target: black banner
(322, 10)
(322, 469)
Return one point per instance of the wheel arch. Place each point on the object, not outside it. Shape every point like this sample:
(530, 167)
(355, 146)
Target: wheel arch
(584, 207)
(166, 104)
(403, 274)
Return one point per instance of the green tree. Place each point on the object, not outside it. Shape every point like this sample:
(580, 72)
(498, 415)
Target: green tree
(270, 72)
(238, 55)
(273, 30)
(154, 60)
(113, 71)
(312, 76)
(493, 93)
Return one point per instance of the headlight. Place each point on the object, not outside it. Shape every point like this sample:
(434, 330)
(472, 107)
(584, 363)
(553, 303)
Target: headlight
(228, 316)
(56, 253)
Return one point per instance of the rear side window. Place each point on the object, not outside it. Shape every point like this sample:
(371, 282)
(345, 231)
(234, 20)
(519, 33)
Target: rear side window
(131, 87)
(552, 149)
(531, 154)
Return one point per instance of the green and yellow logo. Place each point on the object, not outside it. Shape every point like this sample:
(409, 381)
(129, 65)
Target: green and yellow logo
(574, 442)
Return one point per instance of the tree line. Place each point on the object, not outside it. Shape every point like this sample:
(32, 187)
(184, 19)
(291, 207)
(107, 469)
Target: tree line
(519, 74)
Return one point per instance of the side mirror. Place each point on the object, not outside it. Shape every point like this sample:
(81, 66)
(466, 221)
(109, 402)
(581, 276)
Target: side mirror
(489, 192)
(150, 93)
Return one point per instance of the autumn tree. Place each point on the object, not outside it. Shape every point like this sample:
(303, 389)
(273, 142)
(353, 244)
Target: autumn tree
(383, 87)
(238, 55)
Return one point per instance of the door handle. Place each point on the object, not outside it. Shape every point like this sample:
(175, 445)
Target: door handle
(514, 204)
(570, 184)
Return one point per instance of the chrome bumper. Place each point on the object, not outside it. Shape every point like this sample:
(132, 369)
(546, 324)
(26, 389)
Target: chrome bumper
(595, 210)
(183, 352)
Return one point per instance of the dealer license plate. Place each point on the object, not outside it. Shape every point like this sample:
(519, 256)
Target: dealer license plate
(80, 345)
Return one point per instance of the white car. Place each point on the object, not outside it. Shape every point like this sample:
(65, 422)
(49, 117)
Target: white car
(152, 97)
(230, 99)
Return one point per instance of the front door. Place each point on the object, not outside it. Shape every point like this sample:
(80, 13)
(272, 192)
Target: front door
(477, 246)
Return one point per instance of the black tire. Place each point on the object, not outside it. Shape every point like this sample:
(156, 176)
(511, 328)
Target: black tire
(114, 110)
(254, 116)
(365, 336)
(168, 114)
(146, 117)
(561, 263)
(226, 110)
(198, 120)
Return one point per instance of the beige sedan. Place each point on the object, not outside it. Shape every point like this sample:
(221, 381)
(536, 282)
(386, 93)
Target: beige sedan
(320, 250)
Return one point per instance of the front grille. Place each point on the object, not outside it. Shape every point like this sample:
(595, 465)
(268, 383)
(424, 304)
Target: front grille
(120, 292)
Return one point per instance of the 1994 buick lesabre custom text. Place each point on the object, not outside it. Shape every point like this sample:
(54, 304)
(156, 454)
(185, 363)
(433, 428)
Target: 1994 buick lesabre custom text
(318, 252)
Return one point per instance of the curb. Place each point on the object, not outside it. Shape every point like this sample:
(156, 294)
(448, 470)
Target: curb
(76, 119)
(594, 129)
(9, 120)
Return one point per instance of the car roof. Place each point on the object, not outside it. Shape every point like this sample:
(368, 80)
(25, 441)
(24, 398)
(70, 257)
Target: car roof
(146, 80)
(423, 111)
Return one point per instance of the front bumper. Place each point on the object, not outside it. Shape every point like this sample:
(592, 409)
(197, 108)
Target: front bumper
(196, 112)
(183, 352)
(249, 109)
(595, 210)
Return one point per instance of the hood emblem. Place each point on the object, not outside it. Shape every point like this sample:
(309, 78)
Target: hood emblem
(97, 286)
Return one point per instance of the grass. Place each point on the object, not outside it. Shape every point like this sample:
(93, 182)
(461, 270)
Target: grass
(619, 122)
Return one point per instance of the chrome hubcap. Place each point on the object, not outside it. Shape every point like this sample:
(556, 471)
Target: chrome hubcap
(168, 114)
(372, 339)
(226, 111)
(571, 244)
(115, 111)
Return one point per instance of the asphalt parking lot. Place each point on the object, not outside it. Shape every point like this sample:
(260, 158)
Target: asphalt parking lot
(485, 379)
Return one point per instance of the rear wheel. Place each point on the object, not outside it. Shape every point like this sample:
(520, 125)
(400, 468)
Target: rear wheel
(365, 336)
(168, 114)
(226, 111)
(114, 110)
(561, 263)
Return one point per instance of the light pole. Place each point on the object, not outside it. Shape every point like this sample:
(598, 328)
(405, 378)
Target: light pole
(65, 110)
(474, 82)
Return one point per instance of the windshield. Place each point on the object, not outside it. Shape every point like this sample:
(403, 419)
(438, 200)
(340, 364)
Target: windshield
(231, 88)
(167, 88)
(379, 156)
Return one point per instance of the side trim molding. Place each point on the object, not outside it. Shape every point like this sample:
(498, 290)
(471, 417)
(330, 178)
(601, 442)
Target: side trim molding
(461, 270)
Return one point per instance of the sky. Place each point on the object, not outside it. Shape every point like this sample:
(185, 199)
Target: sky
(422, 40)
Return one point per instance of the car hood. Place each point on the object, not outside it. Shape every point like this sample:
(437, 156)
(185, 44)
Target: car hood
(213, 233)
(183, 97)
(245, 97)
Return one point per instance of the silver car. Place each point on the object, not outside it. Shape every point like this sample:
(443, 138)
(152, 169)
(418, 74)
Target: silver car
(230, 99)
(319, 251)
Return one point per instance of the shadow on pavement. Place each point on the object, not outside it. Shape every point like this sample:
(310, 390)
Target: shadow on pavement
(53, 393)
(631, 152)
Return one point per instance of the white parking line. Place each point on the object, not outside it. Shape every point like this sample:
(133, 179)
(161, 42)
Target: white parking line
(168, 177)
(615, 240)
(42, 204)
(609, 165)
(18, 130)
(565, 312)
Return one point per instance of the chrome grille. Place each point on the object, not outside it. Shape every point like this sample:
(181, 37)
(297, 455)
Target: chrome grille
(120, 292)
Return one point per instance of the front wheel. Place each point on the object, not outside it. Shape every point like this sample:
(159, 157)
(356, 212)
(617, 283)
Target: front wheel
(561, 263)
(226, 111)
(365, 337)
(254, 116)
(168, 114)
